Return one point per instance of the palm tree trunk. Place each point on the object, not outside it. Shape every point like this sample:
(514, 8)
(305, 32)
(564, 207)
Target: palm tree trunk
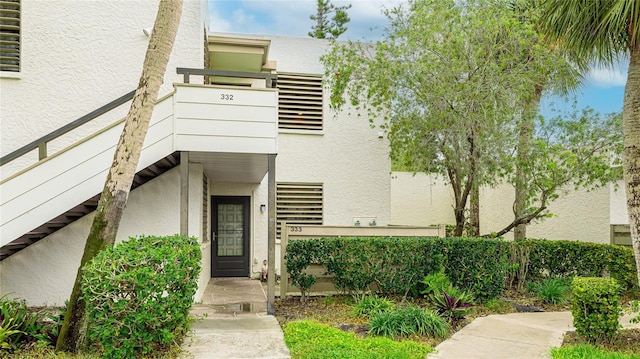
(118, 184)
(631, 153)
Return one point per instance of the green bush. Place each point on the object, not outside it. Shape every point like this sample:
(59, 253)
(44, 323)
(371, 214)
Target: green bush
(552, 290)
(449, 302)
(17, 323)
(395, 265)
(318, 341)
(138, 294)
(370, 305)
(408, 321)
(595, 306)
(478, 265)
(572, 258)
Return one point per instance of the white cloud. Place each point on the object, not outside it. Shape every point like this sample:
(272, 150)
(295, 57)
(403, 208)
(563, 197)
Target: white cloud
(607, 77)
(291, 17)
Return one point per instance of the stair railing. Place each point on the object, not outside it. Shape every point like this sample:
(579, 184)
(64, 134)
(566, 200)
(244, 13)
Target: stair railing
(41, 143)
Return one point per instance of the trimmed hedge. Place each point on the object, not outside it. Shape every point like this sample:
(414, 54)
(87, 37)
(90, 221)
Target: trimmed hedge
(396, 265)
(584, 259)
(139, 293)
(595, 307)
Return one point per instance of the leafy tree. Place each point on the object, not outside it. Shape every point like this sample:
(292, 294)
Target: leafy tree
(601, 31)
(452, 84)
(120, 177)
(325, 26)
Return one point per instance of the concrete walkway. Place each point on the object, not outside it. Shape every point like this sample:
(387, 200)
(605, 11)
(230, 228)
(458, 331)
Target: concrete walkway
(234, 323)
(517, 335)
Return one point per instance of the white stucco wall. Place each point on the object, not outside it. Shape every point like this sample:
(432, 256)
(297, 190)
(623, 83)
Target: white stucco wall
(619, 214)
(79, 55)
(348, 157)
(423, 200)
(44, 272)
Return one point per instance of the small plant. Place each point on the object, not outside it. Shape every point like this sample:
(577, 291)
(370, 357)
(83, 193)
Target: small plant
(595, 307)
(452, 304)
(552, 291)
(17, 322)
(370, 305)
(48, 335)
(408, 321)
(7, 329)
(435, 282)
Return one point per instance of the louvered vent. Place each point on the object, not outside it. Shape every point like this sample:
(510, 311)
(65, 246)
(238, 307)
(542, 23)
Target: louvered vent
(10, 35)
(300, 102)
(298, 203)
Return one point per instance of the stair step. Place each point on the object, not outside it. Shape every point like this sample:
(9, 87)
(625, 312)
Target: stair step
(84, 208)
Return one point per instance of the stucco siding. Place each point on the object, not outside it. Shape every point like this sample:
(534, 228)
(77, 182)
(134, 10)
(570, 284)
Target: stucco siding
(425, 199)
(77, 56)
(347, 156)
(43, 273)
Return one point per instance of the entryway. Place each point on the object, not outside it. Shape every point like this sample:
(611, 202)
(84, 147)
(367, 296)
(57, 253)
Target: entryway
(230, 227)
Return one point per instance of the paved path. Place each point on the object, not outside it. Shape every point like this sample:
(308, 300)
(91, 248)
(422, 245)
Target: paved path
(234, 324)
(517, 335)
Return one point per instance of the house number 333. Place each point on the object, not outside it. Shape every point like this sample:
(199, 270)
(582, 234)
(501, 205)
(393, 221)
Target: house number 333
(226, 97)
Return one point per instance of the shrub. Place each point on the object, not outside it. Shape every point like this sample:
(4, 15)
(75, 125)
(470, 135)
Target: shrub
(450, 302)
(138, 294)
(395, 265)
(17, 323)
(408, 321)
(552, 290)
(572, 258)
(478, 265)
(318, 341)
(595, 307)
(370, 305)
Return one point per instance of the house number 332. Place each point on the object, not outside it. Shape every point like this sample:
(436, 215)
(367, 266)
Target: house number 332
(226, 97)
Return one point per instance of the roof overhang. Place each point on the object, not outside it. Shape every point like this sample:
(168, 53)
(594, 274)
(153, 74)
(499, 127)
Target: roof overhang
(241, 54)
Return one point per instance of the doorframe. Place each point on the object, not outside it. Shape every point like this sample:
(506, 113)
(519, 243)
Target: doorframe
(246, 204)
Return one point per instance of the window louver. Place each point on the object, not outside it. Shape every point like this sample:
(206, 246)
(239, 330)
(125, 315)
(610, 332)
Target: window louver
(300, 102)
(298, 203)
(10, 35)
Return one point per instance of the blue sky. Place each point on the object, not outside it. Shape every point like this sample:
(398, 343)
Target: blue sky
(602, 89)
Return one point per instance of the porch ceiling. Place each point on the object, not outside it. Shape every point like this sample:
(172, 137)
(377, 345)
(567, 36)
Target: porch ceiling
(238, 54)
(232, 167)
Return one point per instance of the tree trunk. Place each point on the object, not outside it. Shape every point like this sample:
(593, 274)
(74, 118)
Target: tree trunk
(118, 184)
(474, 211)
(524, 148)
(631, 153)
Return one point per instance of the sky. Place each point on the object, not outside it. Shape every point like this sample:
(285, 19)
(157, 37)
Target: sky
(602, 89)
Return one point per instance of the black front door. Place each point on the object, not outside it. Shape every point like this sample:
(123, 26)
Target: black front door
(230, 249)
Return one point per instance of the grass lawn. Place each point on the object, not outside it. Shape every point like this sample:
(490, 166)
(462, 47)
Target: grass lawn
(312, 340)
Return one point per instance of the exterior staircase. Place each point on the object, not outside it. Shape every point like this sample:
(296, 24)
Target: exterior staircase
(84, 208)
(231, 130)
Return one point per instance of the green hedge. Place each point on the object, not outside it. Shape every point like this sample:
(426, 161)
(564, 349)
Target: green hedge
(572, 258)
(139, 293)
(595, 307)
(396, 265)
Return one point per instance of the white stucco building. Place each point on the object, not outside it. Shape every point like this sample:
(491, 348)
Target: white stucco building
(424, 199)
(205, 166)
